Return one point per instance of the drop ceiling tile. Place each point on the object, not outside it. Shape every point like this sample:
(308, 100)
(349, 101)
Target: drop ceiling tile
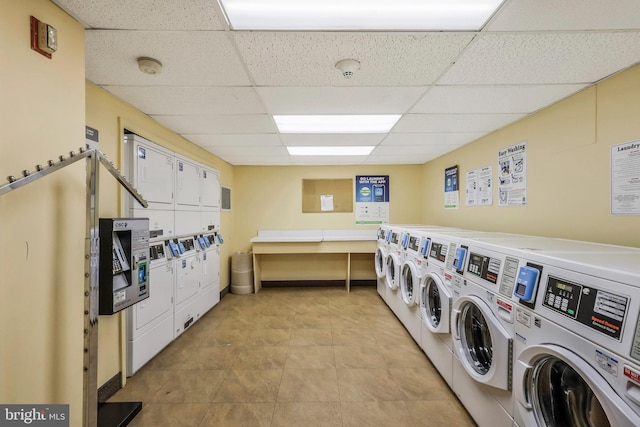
(327, 160)
(410, 151)
(544, 58)
(234, 140)
(189, 58)
(413, 123)
(380, 159)
(331, 139)
(492, 99)
(259, 161)
(189, 99)
(257, 150)
(242, 124)
(145, 14)
(527, 15)
(339, 100)
(431, 139)
(386, 59)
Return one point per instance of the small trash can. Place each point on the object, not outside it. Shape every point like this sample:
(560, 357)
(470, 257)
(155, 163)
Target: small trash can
(242, 273)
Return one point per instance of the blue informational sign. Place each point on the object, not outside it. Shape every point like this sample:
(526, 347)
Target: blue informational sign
(372, 188)
(372, 199)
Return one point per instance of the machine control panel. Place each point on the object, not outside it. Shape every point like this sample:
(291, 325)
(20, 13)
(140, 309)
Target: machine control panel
(156, 251)
(414, 243)
(381, 234)
(484, 267)
(438, 251)
(598, 309)
(394, 238)
(526, 283)
(123, 278)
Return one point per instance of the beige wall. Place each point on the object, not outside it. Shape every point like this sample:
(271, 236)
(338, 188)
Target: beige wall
(568, 168)
(271, 198)
(42, 230)
(110, 116)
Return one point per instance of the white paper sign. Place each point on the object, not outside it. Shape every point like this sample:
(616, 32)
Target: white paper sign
(326, 202)
(625, 178)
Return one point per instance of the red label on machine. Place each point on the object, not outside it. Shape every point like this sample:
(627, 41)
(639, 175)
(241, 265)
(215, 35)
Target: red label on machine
(632, 375)
(505, 305)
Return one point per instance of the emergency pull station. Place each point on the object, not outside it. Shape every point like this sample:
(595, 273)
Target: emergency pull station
(124, 276)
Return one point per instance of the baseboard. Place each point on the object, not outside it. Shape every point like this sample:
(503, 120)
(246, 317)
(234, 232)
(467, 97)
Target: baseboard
(314, 283)
(110, 388)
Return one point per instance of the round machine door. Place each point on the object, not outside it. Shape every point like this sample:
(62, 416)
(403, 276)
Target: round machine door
(381, 262)
(409, 283)
(481, 343)
(557, 388)
(393, 271)
(435, 304)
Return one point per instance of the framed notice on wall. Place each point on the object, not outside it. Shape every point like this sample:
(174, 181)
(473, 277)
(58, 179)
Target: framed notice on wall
(625, 178)
(451, 192)
(372, 199)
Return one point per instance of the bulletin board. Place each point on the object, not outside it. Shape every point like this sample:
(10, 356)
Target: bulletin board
(327, 195)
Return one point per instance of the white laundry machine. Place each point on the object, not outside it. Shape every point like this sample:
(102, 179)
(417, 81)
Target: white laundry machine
(410, 276)
(187, 286)
(382, 248)
(437, 251)
(150, 322)
(395, 257)
(483, 316)
(577, 344)
(210, 256)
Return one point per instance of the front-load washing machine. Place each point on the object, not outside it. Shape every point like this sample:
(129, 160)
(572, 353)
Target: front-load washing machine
(578, 347)
(393, 263)
(437, 251)
(210, 256)
(382, 249)
(410, 276)
(483, 351)
(188, 276)
(150, 322)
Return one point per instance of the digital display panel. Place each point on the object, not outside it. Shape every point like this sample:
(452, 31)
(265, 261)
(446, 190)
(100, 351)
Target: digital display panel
(414, 243)
(485, 267)
(438, 251)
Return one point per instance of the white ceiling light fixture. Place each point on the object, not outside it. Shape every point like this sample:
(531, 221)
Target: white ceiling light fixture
(342, 150)
(389, 15)
(371, 123)
(149, 65)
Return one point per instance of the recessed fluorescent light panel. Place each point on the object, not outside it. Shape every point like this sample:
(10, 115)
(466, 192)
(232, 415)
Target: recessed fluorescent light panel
(389, 15)
(336, 124)
(343, 150)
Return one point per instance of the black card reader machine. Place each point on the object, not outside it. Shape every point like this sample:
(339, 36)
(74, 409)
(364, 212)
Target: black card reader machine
(123, 277)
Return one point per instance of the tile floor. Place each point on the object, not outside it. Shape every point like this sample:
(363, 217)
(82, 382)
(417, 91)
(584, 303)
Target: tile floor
(294, 357)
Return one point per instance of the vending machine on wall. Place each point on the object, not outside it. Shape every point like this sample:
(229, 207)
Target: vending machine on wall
(124, 276)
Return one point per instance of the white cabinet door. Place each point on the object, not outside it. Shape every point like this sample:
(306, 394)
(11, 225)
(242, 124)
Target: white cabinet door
(187, 185)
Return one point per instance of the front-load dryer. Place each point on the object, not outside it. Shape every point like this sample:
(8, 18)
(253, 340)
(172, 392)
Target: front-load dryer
(578, 348)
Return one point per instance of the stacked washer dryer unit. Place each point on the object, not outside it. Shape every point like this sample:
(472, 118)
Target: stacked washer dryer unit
(483, 316)
(578, 341)
(382, 249)
(150, 323)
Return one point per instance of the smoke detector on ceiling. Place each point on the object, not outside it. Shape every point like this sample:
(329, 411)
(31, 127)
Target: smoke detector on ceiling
(149, 65)
(348, 67)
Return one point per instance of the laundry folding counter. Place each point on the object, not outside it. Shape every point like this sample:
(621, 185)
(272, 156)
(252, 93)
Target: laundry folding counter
(313, 255)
